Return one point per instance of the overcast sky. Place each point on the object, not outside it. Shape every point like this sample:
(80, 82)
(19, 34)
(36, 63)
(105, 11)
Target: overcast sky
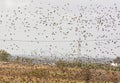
(53, 27)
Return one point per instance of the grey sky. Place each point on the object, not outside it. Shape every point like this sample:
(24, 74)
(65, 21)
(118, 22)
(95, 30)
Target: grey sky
(60, 20)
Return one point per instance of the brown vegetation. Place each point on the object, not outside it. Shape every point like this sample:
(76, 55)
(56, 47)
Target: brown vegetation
(12, 73)
(21, 70)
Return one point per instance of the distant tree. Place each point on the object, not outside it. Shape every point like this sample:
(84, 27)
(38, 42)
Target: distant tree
(117, 60)
(4, 55)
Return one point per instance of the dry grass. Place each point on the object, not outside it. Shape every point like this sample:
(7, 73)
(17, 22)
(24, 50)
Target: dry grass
(18, 73)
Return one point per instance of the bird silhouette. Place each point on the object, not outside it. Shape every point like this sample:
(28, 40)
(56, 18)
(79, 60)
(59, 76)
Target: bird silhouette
(94, 25)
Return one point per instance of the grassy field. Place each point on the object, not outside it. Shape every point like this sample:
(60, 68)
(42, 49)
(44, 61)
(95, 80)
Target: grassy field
(19, 73)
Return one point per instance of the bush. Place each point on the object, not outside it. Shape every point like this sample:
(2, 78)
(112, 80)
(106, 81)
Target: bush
(4, 55)
(62, 63)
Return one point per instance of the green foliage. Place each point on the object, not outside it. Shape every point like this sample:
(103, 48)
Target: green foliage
(4, 55)
(61, 63)
(117, 60)
(80, 64)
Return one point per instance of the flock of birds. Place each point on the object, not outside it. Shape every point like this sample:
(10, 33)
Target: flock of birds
(92, 30)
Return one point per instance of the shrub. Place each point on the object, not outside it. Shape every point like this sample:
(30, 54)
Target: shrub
(4, 55)
(62, 63)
